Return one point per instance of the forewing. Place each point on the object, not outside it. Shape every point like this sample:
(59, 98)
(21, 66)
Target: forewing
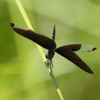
(37, 38)
(70, 55)
(80, 47)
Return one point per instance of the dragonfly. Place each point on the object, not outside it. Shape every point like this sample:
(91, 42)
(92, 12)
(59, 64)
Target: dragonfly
(66, 51)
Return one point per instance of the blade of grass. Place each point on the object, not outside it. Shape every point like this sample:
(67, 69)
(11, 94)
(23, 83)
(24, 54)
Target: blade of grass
(25, 17)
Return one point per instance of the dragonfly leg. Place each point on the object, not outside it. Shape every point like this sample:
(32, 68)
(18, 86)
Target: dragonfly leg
(49, 64)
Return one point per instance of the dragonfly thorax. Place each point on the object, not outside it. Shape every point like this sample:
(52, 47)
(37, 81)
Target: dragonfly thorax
(50, 54)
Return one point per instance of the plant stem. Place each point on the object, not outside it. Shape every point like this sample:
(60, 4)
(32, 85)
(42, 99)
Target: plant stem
(25, 17)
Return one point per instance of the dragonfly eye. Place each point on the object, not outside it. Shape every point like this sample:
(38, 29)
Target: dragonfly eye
(46, 55)
(50, 54)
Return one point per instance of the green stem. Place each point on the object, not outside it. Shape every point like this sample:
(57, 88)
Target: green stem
(25, 17)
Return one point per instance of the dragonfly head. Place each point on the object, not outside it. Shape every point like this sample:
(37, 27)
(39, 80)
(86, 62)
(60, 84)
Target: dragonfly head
(50, 54)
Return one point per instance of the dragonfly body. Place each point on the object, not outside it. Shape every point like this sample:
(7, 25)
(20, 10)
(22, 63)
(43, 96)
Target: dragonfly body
(66, 51)
(50, 54)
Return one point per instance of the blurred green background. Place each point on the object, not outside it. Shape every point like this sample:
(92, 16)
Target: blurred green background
(23, 75)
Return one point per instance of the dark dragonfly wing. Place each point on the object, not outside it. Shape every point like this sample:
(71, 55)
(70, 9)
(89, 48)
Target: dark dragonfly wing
(70, 55)
(81, 47)
(37, 38)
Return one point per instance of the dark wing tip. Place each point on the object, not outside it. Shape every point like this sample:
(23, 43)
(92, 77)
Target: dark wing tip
(91, 72)
(12, 24)
(94, 48)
